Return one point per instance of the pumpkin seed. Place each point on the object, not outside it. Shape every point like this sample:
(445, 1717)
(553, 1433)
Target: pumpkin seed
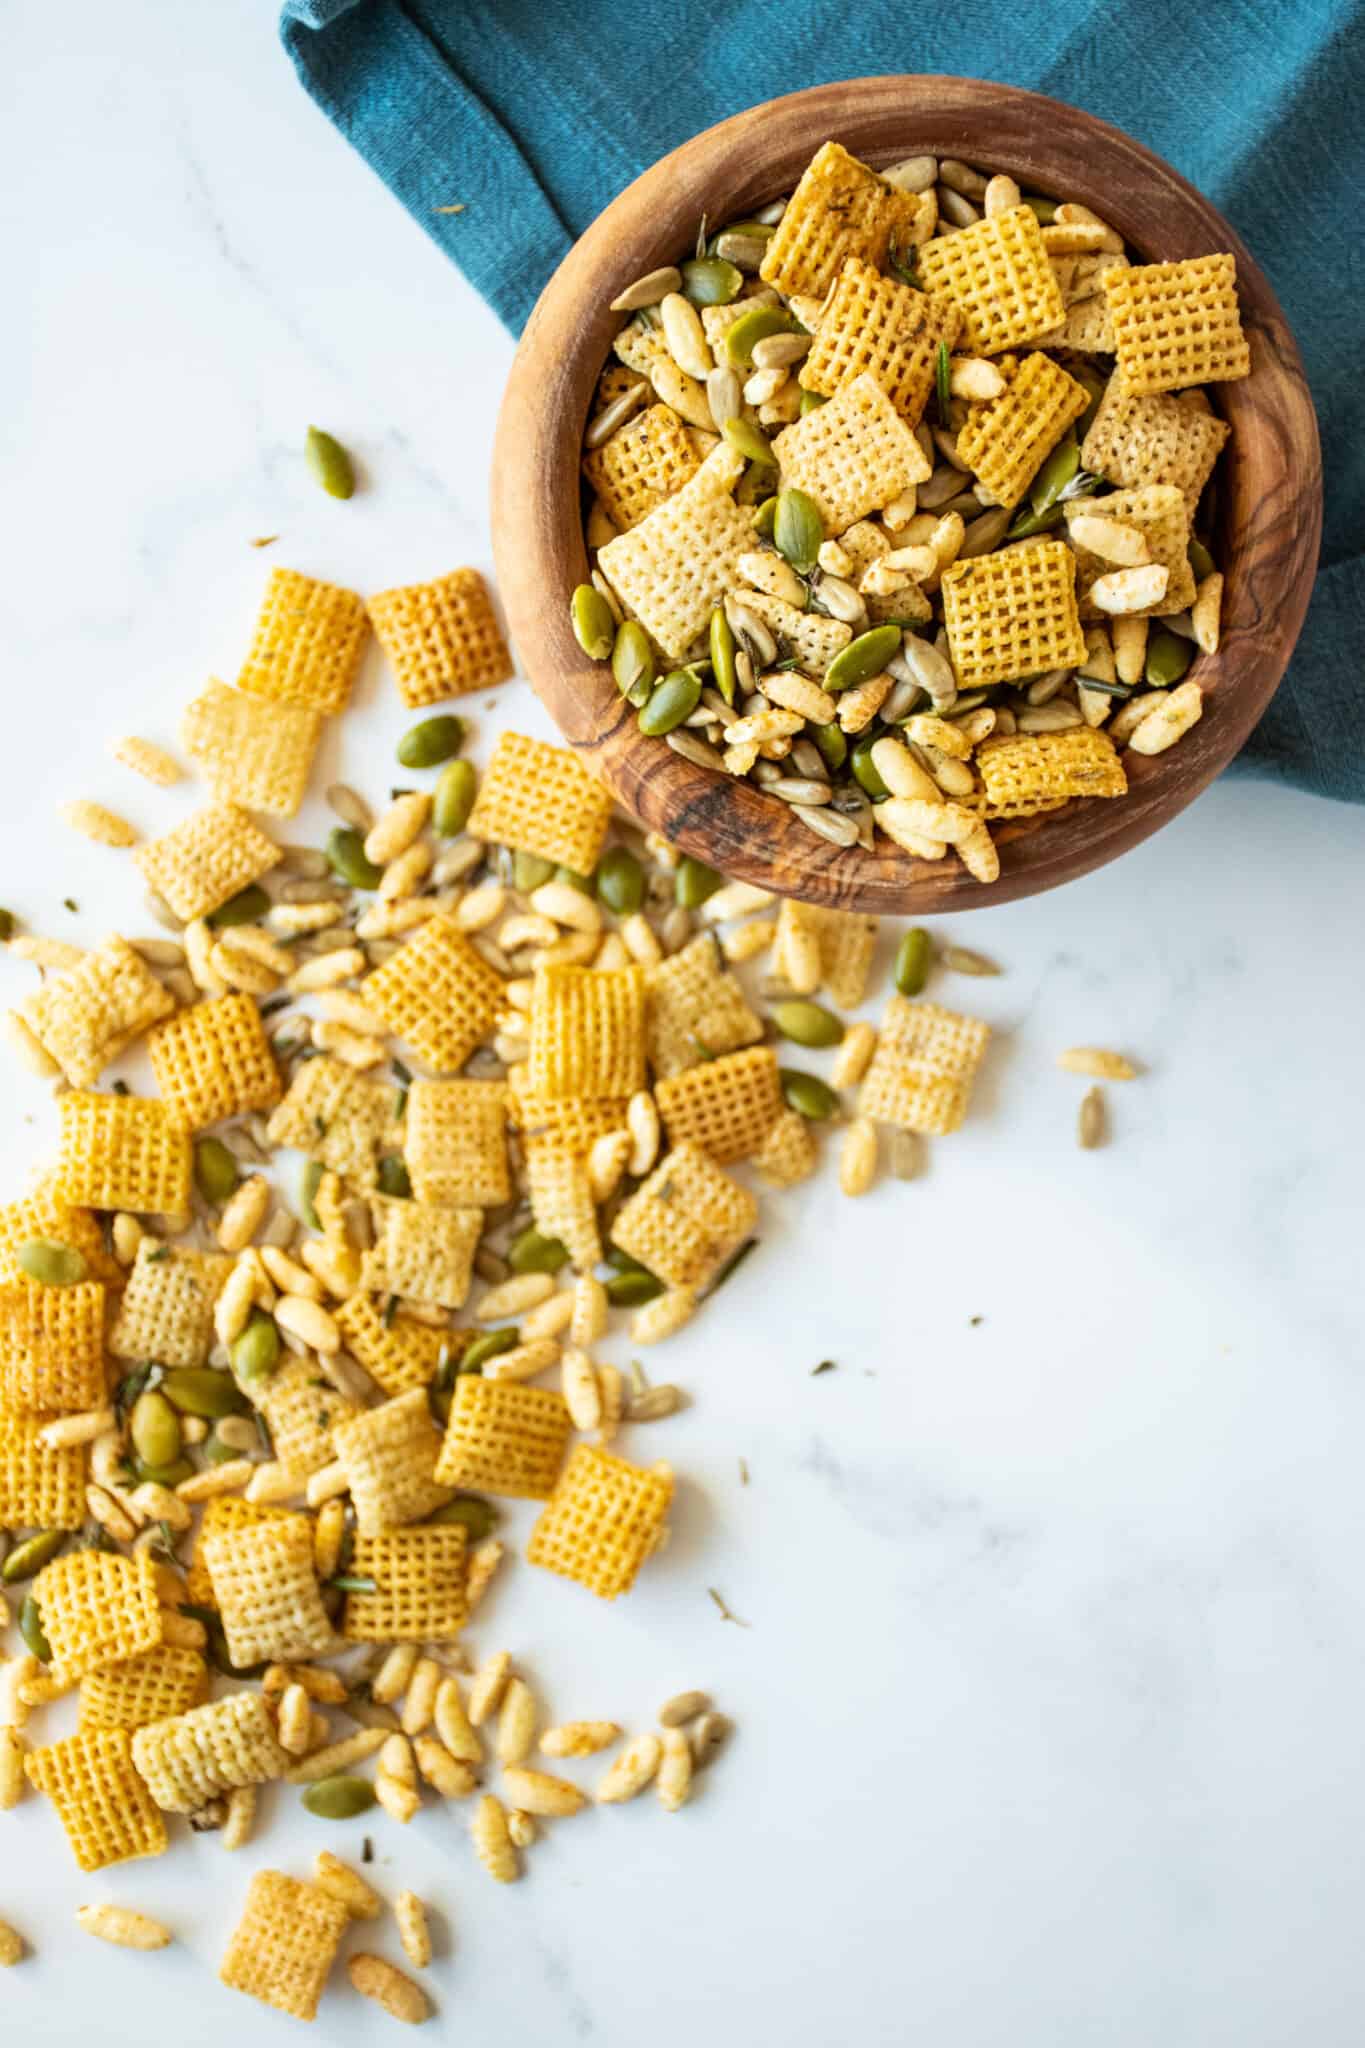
(308, 1187)
(692, 749)
(256, 1352)
(1168, 657)
(248, 906)
(711, 281)
(594, 628)
(620, 881)
(808, 1095)
(863, 658)
(832, 744)
(826, 824)
(865, 770)
(798, 530)
(962, 960)
(1201, 561)
(453, 798)
(1056, 473)
(755, 325)
(51, 1263)
(530, 871)
(154, 1428)
(723, 654)
(346, 853)
(632, 657)
(1091, 1121)
(633, 1289)
(393, 1176)
(432, 741)
(488, 1344)
(479, 1517)
(807, 1023)
(533, 1252)
(647, 290)
(673, 701)
(215, 1171)
(330, 463)
(339, 1798)
(1085, 376)
(914, 958)
(27, 1559)
(693, 882)
(202, 1390)
(746, 439)
(31, 1629)
(1025, 524)
(809, 401)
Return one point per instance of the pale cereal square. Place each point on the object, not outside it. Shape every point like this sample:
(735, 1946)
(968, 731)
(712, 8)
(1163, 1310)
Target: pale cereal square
(285, 1944)
(673, 569)
(1161, 514)
(455, 1142)
(1177, 324)
(1153, 439)
(697, 1008)
(342, 1119)
(166, 1313)
(684, 1221)
(390, 1457)
(210, 856)
(852, 455)
(86, 1017)
(251, 751)
(922, 1071)
(422, 1252)
(641, 464)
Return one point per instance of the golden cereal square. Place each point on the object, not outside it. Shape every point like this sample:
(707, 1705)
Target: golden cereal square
(422, 1252)
(1012, 614)
(301, 1409)
(587, 1031)
(166, 1313)
(1161, 514)
(852, 455)
(397, 1352)
(1177, 324)
(872, 323)
(846, 941)
(455, 1143)
(266, 1590)
(390, 1456)
(922, 1071)
(225, 1512)
(124, 1152)
(840, 208)
(309, 641)
(39, 1488)
(673, 568)
(419, 1576)
(996, 272)
(98, 1608)
(639, 348)
(810, 636)
(560, 1194)
(160, 1682)
(602, 1521)
(642, 463)
(1006, 441)
(285, 1944)
(540, 799)
(697, 1008)
(86, 1017)
(789, 1153)
(442, 638)
(727, 1106)
(250, 751)
(504, 1438)
(45, 1212)
(573, 1123)
(52, 1348)
(1025, 768)
(341, 1119)
(189, 1758)
(437, 995)
(1153, 439)
(686, 1219)
(213, 1060)
(107, 1812)
(209, 857)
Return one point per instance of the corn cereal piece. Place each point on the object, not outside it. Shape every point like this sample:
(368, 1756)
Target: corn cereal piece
(285, 1944)
(308, 643)
(922, 1072)
(1023, 767)
(789, 1153)
(1013, 613)
(442, 638)
(641, 464)
(213, 1060)
(340, 1118)
(107, 1812)
(559, 1189)
(266, 1592)
(190, 1758)
(541, 799)
(697, 1008)
(51, 1348)
(839, 209)
(1006, 442)
(852, 455)
(573, 1122)
(251, 752)
(98, 1608)
(226, 1512)
(421, 1252)
(40, 1488)
(1177, 324)
(455, 1142)
(587, 1032)
(996, 272)
(301, 1410)
(684, 1222)
(845, 941)
(1160, 513)
(672, 569)
(86, 1017)
(812, 638)
(398, 1354)
(1153, 439)
(123, 1152)
(872, 323)
(45, 1212)
(727, 1106)
(167, 1307)
(200, 863)
(390, 1456)
(420, 1577)
(504, 1438)
(161, 1682)
(437, 995)
(602, 1521)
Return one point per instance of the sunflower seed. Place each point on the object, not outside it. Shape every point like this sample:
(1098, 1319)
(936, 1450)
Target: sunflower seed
(616, 414)
(159, 952)
(307, 861)
(907, 1155)
(913, 173)
(767, 772)
(798, 789)
(724, 395)
(1059, 717)
(349, 806)
(647, 290)
(676, 929)
(749, 628)
(459, 859)
(932, 670)
(1045, 687)
(985, 533)
(841, 600)
(962, 960)
(1091, 1124)
(905, 694)
(310, 889)
(179, 982)
(780, 351)
(769, 216)
(807, 760)
(960, 177)
(157, 907)
(746, 252)
(945, 483)
(825, 824)
(698, 752)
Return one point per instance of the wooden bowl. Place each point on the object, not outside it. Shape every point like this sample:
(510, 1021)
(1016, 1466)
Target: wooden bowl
(1270, 501)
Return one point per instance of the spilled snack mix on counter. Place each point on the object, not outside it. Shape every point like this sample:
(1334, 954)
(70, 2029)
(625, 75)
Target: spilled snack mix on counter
(893, 497)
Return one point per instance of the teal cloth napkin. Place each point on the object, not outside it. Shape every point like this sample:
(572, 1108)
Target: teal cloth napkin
(533, 114)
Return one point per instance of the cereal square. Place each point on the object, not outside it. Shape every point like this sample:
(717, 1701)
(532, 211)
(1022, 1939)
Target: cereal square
(309, 641)
(996, 272)
(45, 1212)
(107, 1812)
(1025, 768)
(52, 1348)
(419, 1576)
(560, 1194)
(189, 1758)
(455, 1143)
(39, 1488)
(124, 1152)
(225, 1512)
(422, 1252)
(213, 1060)
(98, 1608)
(504, 1438)
(163, 1681)
(845, 939)
(686, 1219)
(1177, 324)
(840, 208)
(341, 1119)
(167, 1309)
(86, 1017)
(1161, 514)
(642, 463)
(1006, 441)
(540, 799)
(852, 455)
(250, 751)
(1153, 439)
(285, 1944)
(442, 638)
(727, 1106)
(872, 323)
(1013, 613)
(587, 1031)
(301, 1410)
(922, 1071)
(605, 1517)
(209, 857)
(437, 995)
(574, 1123)
(673, 568)
(390, 1457)
(697, 1008)
(396, 1351)
(266, 1590)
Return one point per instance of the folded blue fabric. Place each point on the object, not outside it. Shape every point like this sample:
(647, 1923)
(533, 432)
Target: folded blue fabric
(532, 114)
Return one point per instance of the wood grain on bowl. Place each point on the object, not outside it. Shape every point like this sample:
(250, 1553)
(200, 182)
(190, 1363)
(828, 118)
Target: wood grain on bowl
(1269, 501)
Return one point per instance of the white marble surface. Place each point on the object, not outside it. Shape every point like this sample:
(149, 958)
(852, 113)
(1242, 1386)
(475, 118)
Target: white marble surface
(1050, 1701)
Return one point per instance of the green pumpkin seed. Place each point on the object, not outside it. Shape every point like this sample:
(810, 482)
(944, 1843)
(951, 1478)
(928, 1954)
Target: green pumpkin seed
(765, 518)
(620, 881)
(744, 436)
(807, 1023)
(622, 1262)
(203, 1390)
(453, 798)
(7, 924)
(1055, 474)
(309, 1182)
(216, 1452)
(632, 657)
(330, 463)
(594, 628)
(488, 1344)
(27, 1559)
(865, 770)
(798, 530)
(723, 654)
(339, 1798)
(832, 744)
(346, 856)
(809, 401)
(808, 1095)
(248, 906)
(914, 958)
(571, 879)
(670, 703)
(1095, 386)
(693, 882)
(755, 325)
(531, 1252)
(393, 1176)
(50, 1263)
(1168, 657)
(255, 1353)
(1044, 211)
(1026, 523)
(1201, 561)
(863, 658)
(432, 741)
(31, 1629)
(711, 281)
(216, 1172)
(479, 1517)
(943, 382)
(169, 1476)
(634, 1289)
(154, 1428)
(530, 872)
